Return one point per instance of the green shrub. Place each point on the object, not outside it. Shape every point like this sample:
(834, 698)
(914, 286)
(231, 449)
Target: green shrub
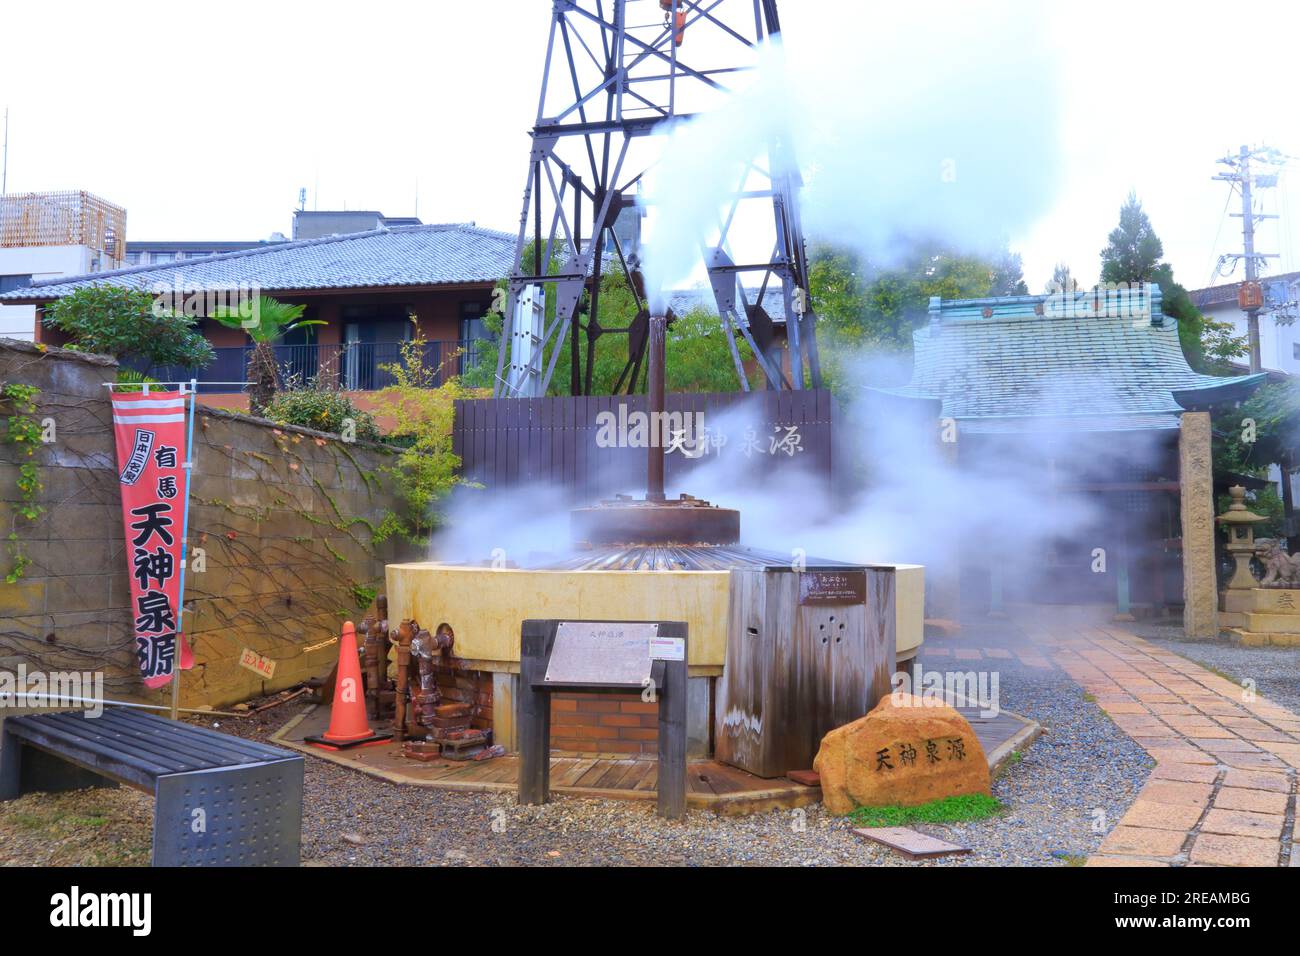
(325, 410)
(128, 324)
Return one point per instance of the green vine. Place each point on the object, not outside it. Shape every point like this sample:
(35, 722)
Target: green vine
(363, 594)
(24, 432)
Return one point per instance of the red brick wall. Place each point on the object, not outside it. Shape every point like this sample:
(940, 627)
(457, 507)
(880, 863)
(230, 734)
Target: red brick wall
(604, 723)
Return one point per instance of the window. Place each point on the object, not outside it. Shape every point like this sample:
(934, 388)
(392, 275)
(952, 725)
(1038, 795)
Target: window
(472, 326)
(1295, 350)
(162, 257)
(10, 283)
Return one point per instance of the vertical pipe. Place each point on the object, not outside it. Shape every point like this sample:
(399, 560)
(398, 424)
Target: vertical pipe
(654, 482)
(185, 529)
(575, 360)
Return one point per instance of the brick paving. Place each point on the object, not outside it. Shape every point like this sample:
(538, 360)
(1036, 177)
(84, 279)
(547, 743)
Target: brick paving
(1223, 792)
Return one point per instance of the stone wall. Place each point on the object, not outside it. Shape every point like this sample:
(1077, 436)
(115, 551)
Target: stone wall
(281, 523)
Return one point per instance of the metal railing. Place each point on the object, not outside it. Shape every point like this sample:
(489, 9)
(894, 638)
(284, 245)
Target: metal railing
(351, 366)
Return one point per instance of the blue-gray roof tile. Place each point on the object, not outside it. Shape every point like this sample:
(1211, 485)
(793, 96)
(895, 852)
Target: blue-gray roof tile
(451, 254)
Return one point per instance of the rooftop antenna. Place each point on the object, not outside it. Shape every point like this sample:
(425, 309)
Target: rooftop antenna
(302, 199)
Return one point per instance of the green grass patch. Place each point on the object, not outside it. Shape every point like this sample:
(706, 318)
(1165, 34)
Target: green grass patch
(962, 809)
(91, 821)
(28, 821)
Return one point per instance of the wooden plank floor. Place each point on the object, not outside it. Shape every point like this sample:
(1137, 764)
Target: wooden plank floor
(709, 785)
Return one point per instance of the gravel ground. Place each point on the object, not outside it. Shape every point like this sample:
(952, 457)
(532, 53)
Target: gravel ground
(1083, 764)
(82, 828)
(1275, 670)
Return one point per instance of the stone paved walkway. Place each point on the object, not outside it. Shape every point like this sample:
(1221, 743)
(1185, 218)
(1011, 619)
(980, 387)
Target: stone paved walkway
(1223, 792)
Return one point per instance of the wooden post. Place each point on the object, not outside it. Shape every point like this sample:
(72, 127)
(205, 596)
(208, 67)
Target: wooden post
(671, 786)
(534, 723)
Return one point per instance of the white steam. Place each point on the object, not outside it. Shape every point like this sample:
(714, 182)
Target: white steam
(932, 122)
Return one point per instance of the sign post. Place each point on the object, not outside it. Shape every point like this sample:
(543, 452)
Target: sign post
(612, 657)
(185, 546)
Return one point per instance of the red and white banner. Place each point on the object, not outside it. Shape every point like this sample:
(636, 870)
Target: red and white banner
(150, 433)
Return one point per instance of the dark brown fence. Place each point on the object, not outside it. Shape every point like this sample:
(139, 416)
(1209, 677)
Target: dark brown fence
(513, 441)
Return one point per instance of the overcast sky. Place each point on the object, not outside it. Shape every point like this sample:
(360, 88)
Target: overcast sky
(204, 120)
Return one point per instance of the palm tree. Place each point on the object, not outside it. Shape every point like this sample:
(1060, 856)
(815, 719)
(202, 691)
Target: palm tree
(265, 320)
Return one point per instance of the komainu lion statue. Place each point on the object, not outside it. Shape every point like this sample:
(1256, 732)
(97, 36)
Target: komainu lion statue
(1281, 570)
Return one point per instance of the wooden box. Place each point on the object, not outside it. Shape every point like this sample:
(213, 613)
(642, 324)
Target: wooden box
(807, 651)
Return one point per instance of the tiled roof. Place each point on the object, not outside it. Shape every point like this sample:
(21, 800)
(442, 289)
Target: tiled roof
(1030, 363)
(1221, 294)
(398, 256)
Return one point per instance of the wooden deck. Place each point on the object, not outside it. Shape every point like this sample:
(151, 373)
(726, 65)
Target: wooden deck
(709, 785)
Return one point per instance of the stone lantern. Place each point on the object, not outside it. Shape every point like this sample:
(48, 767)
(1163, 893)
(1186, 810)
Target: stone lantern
(1241, 538)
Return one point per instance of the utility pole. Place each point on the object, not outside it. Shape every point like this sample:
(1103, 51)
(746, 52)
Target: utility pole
(1250, 296)
(4, 176)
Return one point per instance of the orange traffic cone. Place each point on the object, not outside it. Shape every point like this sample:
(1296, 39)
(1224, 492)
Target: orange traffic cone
(348, 724)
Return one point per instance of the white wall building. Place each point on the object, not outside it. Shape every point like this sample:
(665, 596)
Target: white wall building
(1279, 330)
(47, 235)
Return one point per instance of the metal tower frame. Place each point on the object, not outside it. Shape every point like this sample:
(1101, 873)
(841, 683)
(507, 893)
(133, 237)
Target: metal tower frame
(605, 83)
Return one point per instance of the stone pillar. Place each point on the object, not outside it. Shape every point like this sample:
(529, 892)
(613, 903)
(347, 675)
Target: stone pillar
(1196, 491)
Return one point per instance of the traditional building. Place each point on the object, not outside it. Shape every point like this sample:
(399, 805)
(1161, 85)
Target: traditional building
(1083, 420)
(363, 286)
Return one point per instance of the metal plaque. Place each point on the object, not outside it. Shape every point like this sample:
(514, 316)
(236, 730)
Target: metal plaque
(833, 587)
(601, 652)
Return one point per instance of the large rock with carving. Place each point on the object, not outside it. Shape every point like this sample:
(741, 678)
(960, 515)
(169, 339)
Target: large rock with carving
(907, 751)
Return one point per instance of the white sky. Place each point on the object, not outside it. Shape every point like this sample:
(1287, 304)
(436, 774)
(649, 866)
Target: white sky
(204, 120)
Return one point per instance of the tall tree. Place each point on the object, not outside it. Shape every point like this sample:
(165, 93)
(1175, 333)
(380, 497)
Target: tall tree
(1135, 254)
(1008, 275)
(1134, 251)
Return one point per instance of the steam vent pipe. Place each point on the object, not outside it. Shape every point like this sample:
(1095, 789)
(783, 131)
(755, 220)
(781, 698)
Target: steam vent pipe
(654, 481)
(655, 522)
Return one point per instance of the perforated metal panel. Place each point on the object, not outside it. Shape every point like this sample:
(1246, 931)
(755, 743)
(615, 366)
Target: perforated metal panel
(249, 815)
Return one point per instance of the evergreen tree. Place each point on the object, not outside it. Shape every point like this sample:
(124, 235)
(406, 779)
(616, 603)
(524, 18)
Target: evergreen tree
(1134, 254)
(1134, 251)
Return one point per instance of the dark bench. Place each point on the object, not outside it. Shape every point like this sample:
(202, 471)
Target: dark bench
(218, 800)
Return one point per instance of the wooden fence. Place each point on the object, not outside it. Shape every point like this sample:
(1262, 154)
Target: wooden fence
(558, 441)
